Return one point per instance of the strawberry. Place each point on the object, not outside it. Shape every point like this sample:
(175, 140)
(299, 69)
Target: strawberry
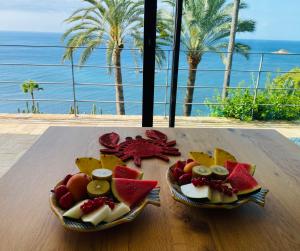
(177, 172)
(185, 179)
(60, 191)
(180, 164)
(66, 179)
(66, 201)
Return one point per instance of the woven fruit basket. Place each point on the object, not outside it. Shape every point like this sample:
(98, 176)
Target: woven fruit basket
(257, 197)
(80, 226)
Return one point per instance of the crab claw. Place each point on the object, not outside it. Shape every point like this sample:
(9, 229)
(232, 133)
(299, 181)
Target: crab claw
(156, 135)
(110, 140)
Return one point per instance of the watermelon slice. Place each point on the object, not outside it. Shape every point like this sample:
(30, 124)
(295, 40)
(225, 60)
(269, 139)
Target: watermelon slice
(127, 173)
(131, 191)
(242, 180)
(231, 165)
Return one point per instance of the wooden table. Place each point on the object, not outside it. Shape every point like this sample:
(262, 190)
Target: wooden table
(27, 223)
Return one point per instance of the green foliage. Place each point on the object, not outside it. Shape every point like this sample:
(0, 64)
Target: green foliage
(30, 86)
(273, 103)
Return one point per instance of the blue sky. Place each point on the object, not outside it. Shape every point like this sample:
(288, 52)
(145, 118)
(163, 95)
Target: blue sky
(276, 19)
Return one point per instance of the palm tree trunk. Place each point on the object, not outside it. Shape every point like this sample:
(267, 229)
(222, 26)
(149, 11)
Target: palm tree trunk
(120, 106)
(193, 64)
(32, 98)
(235, 14)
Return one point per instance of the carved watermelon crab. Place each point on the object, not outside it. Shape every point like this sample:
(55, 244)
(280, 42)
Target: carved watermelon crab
(138, 148)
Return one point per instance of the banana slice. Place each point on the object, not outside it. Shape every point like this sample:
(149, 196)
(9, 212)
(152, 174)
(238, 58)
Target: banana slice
(97, 216)
(75, 212)
(119, 210)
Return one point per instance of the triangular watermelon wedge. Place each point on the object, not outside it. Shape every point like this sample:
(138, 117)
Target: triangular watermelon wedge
(231, 165)
(127, 173)
(131, 191)
(242, 180)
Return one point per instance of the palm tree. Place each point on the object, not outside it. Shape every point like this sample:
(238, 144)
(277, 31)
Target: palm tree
(235, 15)
(110, 22)
(29, 86)
(205, 27)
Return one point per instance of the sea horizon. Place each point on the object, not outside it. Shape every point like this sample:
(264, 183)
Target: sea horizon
(89, 80)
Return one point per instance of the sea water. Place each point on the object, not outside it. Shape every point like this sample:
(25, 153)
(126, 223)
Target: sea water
(96, 84)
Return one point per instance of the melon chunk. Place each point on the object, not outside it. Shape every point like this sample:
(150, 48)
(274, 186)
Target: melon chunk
(131, 191)
(243, 181)
(118, 211)
(195, 192)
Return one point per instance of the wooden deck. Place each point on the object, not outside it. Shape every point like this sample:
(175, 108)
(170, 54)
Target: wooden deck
(19, 132)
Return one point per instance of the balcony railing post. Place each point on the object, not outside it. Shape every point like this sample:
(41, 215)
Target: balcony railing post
(257, 81)
(73, 84)
(167, 84)
(175, 62)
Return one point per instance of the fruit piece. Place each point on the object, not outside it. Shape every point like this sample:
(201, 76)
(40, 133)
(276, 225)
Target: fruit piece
(77, 186)
(242, 180)
(193, 192)
(180, 164)
(127, 173)
(201, 171)
(87, 165)
(230, 165)
(119, 210)
(189, 166)
(66, 179)
(177, 172)
(110, 161)
(131, 191)
(216, 196)
(102, 174)
(60, 191)
(221, 156)
(185, 178)
(66, 201)
(202, 158)
(97, 215)
(98, 188)
(219, 172)
(75, 212)
(229, 198)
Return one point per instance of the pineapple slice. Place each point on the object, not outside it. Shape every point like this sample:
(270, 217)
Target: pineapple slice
(221, 156)
(202, 158)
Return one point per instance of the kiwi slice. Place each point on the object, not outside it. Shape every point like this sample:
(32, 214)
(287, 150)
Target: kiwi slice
(219, 172)
(98, 188)
(201, 171)
(102, 174)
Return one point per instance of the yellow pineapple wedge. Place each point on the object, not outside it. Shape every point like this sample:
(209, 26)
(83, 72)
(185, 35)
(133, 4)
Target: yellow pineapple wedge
(110, 161)
(221, 156)
(88, 165)
(202, 158)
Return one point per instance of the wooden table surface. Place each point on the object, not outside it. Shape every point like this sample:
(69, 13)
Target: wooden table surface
(27, 223)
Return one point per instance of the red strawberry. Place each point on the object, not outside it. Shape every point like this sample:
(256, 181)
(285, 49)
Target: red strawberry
(66, 179)
(60, 191)
(180, 164)
(66, 201)
(177, 172)
(185, 179)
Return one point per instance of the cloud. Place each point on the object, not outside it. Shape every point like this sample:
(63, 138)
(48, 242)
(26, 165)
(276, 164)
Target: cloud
(41, 5)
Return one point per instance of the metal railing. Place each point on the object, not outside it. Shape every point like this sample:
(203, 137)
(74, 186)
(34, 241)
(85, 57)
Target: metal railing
(74, 100)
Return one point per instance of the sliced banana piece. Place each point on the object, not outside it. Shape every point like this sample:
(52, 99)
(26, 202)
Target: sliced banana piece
(75, 212)
(97, 216)
(119, 210)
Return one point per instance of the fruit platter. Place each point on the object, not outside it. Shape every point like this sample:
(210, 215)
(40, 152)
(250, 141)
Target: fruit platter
(104, 194)
(218, 181)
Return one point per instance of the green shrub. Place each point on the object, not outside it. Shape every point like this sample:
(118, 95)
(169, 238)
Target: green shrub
(273, 103)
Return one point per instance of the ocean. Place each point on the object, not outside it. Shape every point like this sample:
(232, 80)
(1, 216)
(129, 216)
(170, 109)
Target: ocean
(96, 84)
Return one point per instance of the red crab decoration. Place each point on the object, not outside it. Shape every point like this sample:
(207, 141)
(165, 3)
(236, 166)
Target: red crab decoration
(156, 145)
